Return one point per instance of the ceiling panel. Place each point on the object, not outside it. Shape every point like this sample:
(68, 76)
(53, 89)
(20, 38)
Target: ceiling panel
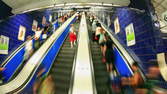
(23, 5)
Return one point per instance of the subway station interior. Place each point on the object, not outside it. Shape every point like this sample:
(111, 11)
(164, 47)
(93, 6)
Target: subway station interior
(83, 46)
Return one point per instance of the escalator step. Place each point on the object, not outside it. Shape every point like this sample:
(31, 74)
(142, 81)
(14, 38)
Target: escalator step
(67, 51)
(61, 78)
(65, 55)
(61, 71)
(61, 87)
(96, 53)
(62, 65)
(66, 45)
(67, 48)
(64, 60)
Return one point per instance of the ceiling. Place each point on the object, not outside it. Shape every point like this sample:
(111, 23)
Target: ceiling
(19, 6)
(160, 6)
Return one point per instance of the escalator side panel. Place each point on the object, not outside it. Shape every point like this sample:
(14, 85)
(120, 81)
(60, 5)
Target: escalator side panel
(13, 64)
(16, 61)
(121, 64)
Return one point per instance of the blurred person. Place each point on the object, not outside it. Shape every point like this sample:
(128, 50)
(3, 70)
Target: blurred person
(72, 36)
(38, 33)
(153, 72)
(134, 80)
(133, 84)
(91, 19)
(37, 37)
(50, 29)
(141, 91)
(158, 90)
(28, 48)
(46, 28)
(98, 31)
(109, 54)
(47, 86)
(39, 78)
(102, 43)
(2, 69)
(94, 30)
(1, 76)
(60, 21)
(65, 17)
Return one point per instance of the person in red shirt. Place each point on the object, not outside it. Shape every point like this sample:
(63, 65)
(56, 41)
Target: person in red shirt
(72, 36)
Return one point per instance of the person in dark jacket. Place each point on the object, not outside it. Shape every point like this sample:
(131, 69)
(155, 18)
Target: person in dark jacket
(109, 55)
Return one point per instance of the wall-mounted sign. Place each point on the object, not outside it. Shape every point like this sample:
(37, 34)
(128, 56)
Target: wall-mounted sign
(116, 25)
(34, 25)
(4, 44)
(43, 20)
(21, 35)
(130, 35)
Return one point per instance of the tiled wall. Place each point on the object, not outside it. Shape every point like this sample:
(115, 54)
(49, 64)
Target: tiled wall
(148, 42)
(10, 28)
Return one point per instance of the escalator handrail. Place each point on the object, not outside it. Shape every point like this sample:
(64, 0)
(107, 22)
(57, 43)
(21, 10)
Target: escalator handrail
(130, 60)
(92, 68)
(74, 65)
(33, 63)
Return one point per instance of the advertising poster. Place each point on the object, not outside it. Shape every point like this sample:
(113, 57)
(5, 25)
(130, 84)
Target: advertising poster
(130, 35)
(50, 18)
(34, 25)
(4, 44)
(116, 25)
(21, 35)
(44, 20)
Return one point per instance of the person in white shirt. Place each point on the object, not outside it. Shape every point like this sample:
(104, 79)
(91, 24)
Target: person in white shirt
(38, 33)
(28, 48)
(98, 32)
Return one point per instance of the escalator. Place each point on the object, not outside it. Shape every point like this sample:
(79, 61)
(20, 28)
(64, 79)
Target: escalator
(100, 71)
(62, 67)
